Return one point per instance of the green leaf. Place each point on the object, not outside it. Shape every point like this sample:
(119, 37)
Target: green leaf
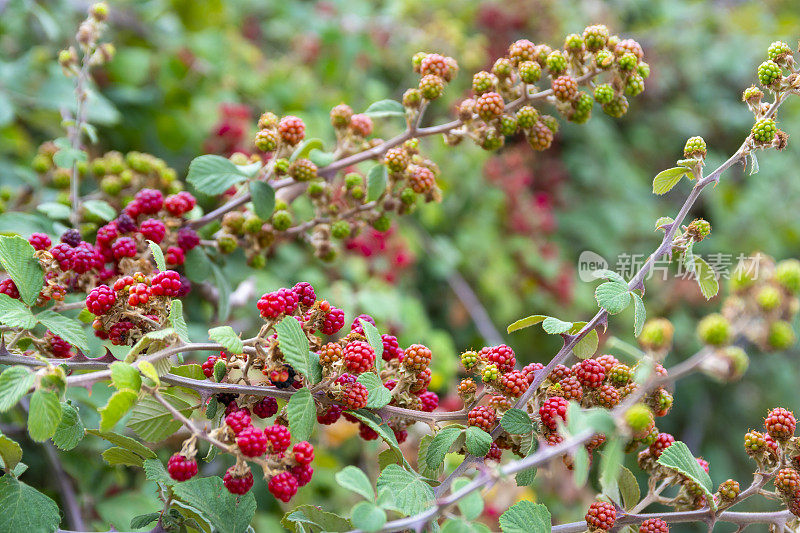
(555, 326)
(155, 471)
(610, 465)
(586, 347)
(118, 405)
(478, 441)
(124, 376)
(516, 422)
(263, 197)
(214, 174)
(385, 108)
(422, 456)
(580, 468)
(70, 430)
(15, 382)
(101, 209)
(152, 421)
(471, 505)
(379, 395)
(383, 430)
(305, 147)
(177, 320)
(228, 338)
(124, 442)
(596, 419)
(526, 322)
(367, 516)
(197, 265)
(144, 520)
(678, 457)
(302, 414)
(526, 517)
(667, 179)
(376, 182)
(609, 275)
(293, 343)
(525, 478)
(224, 287)
(227, 512)
(354, 479)
(629, 488)
(639, 314)
(440, 445)
(663, 221)
(149, 371)
(320, 158)
(54, 210)
(15, 314)
(705, 275)
(613, 296)
(25, 508)
(16, 258)
(120, 456)
(411, 494)
(374, 339)
(158, 255)
(312, 515)
(67, 155)
(69, 329)
(10, 453)
(44, 415)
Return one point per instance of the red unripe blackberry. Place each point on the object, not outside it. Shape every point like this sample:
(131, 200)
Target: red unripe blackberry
(421, 179)
(138, 294)
(166, 283)
(150, 201)
(559, 372)
(522, 50)
(330, 415)
(601, 515)
(118, 333)
(629, 45)
(400, 434)
(153, 229)
(305, 294)
(434, 64)
(653, 525)
(554, 438)
(124, 247)
(359, 357)
(499, 403)
(597, 440)
(333, 322)
(62, 253)
(489, 106)
(590, 373)
(361, 124)
(540, 137)
(238, 420)
(421, 382)
(58, 346)
(391, 347)
(265, 407)
(187, 239)
(251, 441)
(663, 441)
(84, 258)
(396, 159)
(608, 361)
(787, 481)
(531, 370)
(303, 452)
(291, 129)
(494, 453)
(274, 304)
(302, 473)
(179, 204)
(431, 86)
(208, 366)
(237, 484)
(552, 410)
(40, 241)
(279, 438)
(607, 396)
(501, 356)
(366, 432)
(356, 327)
(514, 383)
(106, 235)
(565, 88)
(100, 300)
(354, 396)
(429, 400)
(483, 417)
(780, 423)
(180, 468)
(571, 388)
(330, 353)
(9, 288)
(340, 115)
(417, 358)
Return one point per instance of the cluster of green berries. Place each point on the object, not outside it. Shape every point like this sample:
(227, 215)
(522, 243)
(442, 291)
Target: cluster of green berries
(435, 72)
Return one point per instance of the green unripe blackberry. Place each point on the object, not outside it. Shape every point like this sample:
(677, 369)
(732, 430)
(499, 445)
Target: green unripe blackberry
(396, 160)
(281, 166)
(620, 374)
(530, 71)
(527, 117)
(62, 198)
(740, 279)
(778, 51)
(257, 261)
(540, 54)
(699, 229)
(556, 62)
(662, 402)
(233, 221)
(62, 178)
(739, 361)
(111, 185)
(98, 167)
(634, 86)
(168, 176)
(6, 193)
(604, 59)
(303, 170)
(595, 37)
(728, 490)
(617, 107)
(126, 177)
(781, 335)
(582, 108)
(764, 130)
(550, 122)
(540, 136)
(502, 68)
(627, 61)
(41, 163)
(357, 192)
(340, 229)
(416, 60)
(252, 224)
(412, 98)
(752, 95)
(603, 93)
(508, 125)
(769, 73)
(491, 140)
(281, 220)
(431, 87)
(316, 189)
(408, 196)
(639, 417)
(787, 274)
(469, 359)
(656, 334)
(489, 106)
(267, 140)
(411, 146)
(644, 70)
(490, 373)
(382, 223)
(226, 243)
(573, 43)
(483, 82)
(340, 115)
(768, 298)
(714, 330)
(352, 179)
(695, 147)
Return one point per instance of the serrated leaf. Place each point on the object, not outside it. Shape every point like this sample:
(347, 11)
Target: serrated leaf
(525, 322)
(214, 174)
(374, 339)
(385, 108)
(227, 512)
(376, 182)
(305, 147)
(471, 505)
(15, 314)
(525, 478)
(302, 414)
(678, 457)
(639, 314)
(610, 465)
(293, 343)
(10, 453)
(54, 210)
(379, 395)
(663, 221)
(354, 479)
(149, 371)
(667, 179)
(152, 421)
(555, 326)
(16, 258)
(263, 197)
(144, 520)
(367, 516)
(124, 442)
(705, 275)
(224, 287)
(101, 209)
(69, 329)
(124, 376)
(383, 430)
(25, 508)
(155, 471)
(587, 346)
(613, 296)
(580, 466)
(608, 274)
(158, 255)
(118, 405)
(228, 338)
(628, 488)
(422, 461)
(526, 517)
(478, 441)
(44, 415)
(516, 422)
(312, 515)
(320, 158)
(177, 320)
(120, 456)
(70, 430)
(440, 445)
(15, 382)
(411, 494)
(197, 265)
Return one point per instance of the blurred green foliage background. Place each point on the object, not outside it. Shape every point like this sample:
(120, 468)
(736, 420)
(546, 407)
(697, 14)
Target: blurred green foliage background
(512, 223)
